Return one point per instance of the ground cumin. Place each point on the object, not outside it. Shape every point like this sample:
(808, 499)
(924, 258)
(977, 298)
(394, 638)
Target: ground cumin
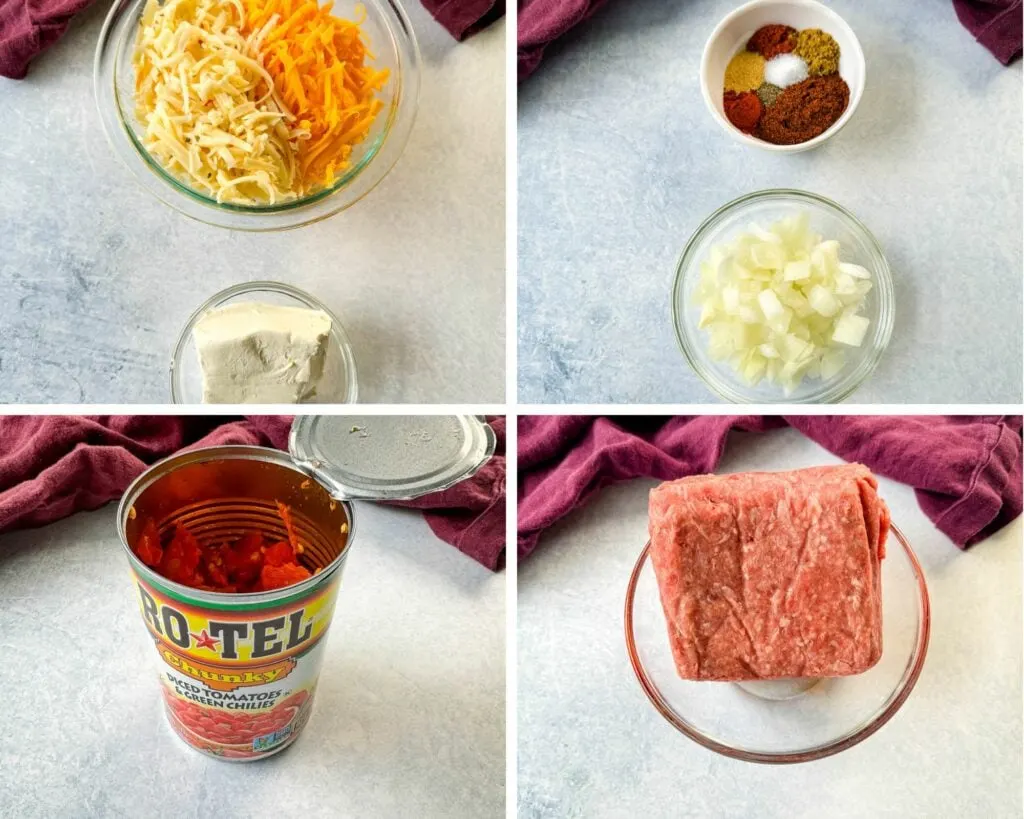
(819, 50)
(804, 111)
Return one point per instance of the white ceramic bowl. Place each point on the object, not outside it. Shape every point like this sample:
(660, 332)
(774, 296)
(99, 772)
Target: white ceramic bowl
(731, 35)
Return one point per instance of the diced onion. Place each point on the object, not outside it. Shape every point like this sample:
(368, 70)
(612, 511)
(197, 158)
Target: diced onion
(854, 270)
(770, 305)
(797, 271)
(850, 330)
(778, 304)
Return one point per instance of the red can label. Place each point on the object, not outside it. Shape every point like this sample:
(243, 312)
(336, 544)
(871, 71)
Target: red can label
(238, 684)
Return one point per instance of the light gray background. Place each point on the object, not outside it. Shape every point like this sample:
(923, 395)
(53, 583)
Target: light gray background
(97, 277)
(591, 745)
(409, 716)
(620, 161)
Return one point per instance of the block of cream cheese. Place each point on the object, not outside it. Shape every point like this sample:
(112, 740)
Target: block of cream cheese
(767, 575)
(253, 353)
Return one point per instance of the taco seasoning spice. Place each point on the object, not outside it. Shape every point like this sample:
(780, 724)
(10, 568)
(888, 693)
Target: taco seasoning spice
(768, 93)
(743, 110)
(745, 72)
(785, 70)
(805, 110)
(784, 87)
(772, 40)
(819, 50)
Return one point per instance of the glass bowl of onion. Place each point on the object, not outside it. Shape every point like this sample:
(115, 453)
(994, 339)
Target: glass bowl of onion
(257, 115)
(782, 296)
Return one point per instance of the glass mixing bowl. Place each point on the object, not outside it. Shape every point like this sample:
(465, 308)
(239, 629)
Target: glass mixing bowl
(391, 39)
(785, 721)
(338, 385)
(831, 221)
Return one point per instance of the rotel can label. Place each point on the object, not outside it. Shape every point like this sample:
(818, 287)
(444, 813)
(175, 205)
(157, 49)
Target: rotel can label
(238, 682)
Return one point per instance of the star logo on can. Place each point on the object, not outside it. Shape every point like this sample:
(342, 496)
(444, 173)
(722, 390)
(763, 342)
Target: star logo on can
(204, 640)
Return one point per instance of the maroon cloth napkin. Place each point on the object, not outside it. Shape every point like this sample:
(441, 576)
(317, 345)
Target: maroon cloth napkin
(463, 18)
(29, 27)
(541, 22)
(54, 466)
(966, 470)
(996, 24)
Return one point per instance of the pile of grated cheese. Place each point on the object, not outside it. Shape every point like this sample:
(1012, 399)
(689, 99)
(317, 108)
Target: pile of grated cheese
(209, 109)
(319, 63)
(256, 103)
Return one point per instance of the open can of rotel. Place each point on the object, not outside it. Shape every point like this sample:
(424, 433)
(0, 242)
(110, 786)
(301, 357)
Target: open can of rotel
(239, 668)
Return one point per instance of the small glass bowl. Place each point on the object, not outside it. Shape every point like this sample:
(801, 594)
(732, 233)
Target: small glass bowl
(831, 221)
(338, 386)
(785, 721)
(391, 40)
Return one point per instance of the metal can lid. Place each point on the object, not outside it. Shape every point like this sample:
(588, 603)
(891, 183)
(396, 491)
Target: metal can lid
(390, 457)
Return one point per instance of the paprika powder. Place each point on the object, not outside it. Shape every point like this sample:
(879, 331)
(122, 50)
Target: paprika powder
(743, 110)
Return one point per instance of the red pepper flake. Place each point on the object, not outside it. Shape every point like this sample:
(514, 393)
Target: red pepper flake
(743, 110)
(772, 40)
(247, 564)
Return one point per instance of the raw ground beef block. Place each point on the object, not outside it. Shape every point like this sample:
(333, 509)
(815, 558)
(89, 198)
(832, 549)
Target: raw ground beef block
(766, 575)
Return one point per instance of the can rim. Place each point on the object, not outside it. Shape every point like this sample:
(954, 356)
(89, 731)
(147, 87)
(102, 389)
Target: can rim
(227, 600)
(350, 485)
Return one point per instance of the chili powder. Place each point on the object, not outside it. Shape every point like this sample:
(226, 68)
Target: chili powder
(805, 110)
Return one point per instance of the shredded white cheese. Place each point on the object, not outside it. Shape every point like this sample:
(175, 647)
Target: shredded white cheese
(197, 95)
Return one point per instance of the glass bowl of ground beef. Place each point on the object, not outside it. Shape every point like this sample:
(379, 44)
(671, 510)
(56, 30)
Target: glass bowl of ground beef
(794, 720)
(806, 114)
(241, 116)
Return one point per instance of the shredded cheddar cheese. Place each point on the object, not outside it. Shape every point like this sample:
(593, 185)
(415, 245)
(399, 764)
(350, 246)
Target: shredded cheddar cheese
(319, 65)
(253, 101)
